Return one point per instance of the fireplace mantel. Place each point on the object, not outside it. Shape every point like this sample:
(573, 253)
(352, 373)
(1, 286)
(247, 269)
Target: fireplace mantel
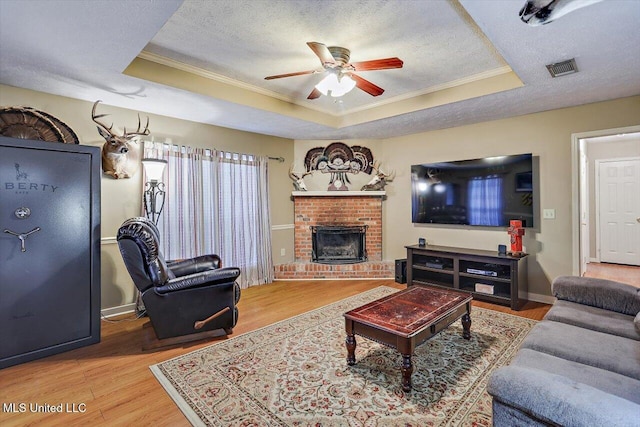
(338, 193)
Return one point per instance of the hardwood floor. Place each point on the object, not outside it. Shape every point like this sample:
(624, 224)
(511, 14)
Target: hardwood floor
(110, 383)
(620, 273)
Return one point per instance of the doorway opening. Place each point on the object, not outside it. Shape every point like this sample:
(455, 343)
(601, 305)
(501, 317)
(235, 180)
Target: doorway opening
(612, 152)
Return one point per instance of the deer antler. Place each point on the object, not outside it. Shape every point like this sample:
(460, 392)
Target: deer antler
(298, 179)
(126, 135)
(145, 131)
(391, 176)
(291, 173)
(388, 176)
(296, 175)
(95, 118)
(375, 165)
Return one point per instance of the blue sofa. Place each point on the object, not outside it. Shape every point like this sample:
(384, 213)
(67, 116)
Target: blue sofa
(579, 366)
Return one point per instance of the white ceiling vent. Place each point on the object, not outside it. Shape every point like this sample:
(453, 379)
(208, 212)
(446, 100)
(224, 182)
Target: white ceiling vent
(563, 68)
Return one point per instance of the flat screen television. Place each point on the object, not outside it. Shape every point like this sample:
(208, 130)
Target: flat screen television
(485, 192)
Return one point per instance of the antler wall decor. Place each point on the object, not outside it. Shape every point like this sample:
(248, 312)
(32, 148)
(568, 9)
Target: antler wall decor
(120, 153)
(298, 179)
(379, 180)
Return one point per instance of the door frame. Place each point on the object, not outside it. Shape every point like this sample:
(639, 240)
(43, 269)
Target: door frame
(585, 213)
(576, 196)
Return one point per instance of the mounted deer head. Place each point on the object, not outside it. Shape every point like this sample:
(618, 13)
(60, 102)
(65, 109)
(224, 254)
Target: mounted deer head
(298, 179)
(120, 154)
(379, 180)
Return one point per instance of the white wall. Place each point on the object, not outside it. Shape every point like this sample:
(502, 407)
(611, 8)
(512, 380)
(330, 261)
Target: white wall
(547, 135)
(122, 199)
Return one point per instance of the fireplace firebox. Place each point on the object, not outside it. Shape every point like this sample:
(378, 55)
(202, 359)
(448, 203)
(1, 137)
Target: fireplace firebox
(338, 244)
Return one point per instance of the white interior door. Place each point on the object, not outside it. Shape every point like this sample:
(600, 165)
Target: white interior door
(619, 211)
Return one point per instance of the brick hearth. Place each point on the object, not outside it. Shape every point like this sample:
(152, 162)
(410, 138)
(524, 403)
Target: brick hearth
(336, 208)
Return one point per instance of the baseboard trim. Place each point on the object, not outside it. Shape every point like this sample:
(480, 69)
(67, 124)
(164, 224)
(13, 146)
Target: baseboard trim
(118, 310)
(545, 299)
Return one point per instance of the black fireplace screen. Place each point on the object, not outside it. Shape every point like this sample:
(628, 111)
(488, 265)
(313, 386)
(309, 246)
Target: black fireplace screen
(338, 244)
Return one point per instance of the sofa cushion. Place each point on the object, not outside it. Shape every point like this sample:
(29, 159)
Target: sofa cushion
(598, 349)
(505, 415)
(607, 381)
(601, 293)
(597, 319)
(555, 400)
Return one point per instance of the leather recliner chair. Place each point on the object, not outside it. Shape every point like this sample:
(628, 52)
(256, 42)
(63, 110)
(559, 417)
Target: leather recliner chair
(181, 297)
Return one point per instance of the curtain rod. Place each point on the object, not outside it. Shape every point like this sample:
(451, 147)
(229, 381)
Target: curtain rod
(280, 159)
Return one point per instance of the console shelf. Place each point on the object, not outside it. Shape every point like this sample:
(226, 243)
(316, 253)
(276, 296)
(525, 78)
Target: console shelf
(486, 274)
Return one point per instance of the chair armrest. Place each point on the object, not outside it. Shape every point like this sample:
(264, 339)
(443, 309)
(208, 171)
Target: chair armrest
(209, 277)
(557, 400)
(600, 293)
(194, 265)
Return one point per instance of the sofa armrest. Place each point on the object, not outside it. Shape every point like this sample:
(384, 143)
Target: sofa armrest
(600, 293)
(194, 265)
(557, 400)
(210, 277)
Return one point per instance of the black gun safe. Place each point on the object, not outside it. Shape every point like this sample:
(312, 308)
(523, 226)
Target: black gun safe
(49, 248)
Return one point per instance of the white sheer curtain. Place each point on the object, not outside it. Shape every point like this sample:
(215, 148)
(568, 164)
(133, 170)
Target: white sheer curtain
(485, 200)
(243, 215)
(217, 203)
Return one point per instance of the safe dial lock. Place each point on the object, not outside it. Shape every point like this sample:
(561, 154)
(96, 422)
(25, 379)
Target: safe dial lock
(22, 212)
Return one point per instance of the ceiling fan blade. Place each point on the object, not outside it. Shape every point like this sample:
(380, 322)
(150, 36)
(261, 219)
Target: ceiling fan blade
(299, 73)
(322, 52)
(367, 86)
(377, 64)
(315, 93)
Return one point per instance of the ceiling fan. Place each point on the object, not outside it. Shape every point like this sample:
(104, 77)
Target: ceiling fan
(335, 61)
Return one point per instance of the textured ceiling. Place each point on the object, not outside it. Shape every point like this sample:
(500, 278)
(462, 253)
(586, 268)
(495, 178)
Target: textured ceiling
(205, 61)
(437, 41)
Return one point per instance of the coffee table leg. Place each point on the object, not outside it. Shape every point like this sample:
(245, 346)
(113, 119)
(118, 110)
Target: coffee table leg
(466, 326)
(350, 342)
(407, 370)
(351, 349)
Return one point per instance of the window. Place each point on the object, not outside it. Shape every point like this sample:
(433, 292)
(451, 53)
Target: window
(218, 203)
(485, 200)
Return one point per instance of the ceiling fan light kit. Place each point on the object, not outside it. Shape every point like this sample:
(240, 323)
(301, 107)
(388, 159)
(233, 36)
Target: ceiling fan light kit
(341, 76)
(336, 86)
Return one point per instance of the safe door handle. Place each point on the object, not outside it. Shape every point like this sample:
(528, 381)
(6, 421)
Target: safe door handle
(22, 236)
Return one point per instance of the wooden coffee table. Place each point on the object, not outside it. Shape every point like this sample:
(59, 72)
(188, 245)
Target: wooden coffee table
(406, 319)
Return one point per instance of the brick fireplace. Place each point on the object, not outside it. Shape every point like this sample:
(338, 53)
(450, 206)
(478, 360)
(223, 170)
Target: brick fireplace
(336, 208)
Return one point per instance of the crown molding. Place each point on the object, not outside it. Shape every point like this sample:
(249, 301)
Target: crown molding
(201, 72)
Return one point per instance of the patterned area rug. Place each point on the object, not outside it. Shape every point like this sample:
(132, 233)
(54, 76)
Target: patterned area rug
(294, 373)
